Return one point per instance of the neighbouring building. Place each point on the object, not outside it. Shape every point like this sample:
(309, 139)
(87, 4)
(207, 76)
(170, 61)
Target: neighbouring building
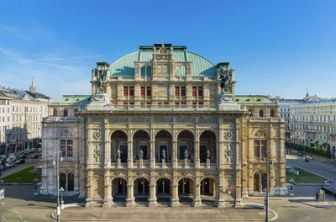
(21, 114)
(163, 124)
(313, 123)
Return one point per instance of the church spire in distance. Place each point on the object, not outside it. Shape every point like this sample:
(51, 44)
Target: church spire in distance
(32, 87)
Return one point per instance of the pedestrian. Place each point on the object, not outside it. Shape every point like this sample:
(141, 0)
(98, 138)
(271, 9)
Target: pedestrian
(317, 195)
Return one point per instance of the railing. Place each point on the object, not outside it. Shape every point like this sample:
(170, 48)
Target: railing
(61, 119)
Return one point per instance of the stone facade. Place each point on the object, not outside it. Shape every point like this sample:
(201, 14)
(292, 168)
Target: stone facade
(164, 125)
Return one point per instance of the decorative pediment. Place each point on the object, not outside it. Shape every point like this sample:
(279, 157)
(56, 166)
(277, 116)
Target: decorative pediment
(260, 133)
(65, 133)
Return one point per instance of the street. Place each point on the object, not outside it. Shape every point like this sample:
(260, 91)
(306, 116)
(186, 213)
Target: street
(21, 205)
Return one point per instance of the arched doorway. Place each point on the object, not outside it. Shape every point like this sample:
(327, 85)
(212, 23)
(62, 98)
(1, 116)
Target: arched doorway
(141, 148)
(208, 147)
(208, 190)
(141, 190)
(185, 142)
(163, 146)
(186, 190)
(259, 182)
(119, 146)
(119, 190)
(63, 181)
(163, 190)
(71, 182)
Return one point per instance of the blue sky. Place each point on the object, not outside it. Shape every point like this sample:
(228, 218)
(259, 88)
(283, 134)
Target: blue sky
(279, 48)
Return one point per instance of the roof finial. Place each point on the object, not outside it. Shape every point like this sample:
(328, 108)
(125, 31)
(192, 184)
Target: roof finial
(32, 87)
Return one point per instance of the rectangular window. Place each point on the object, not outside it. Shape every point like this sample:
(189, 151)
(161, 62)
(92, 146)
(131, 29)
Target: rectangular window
(177, 91)
(143, 91)
(63, 148)
(125, 90)
(131, 90)
(149, 91)
(183, 91)
(200, 91)
(260, 149)
(194, 91)
(69, 148)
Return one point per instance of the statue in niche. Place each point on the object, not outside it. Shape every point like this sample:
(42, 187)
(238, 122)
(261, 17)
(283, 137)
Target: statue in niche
(185, 154)
(208, 154)
(118, 154)
(225, 78)
(101, 79)
(140, 154)
(163, 154)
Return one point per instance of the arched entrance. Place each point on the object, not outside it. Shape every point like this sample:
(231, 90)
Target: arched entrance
(63, 181)
(163, 190)
(163, 146)
(185, 142)
(141, 190)
(119, 146)
(119, 190)
(186, 190)
(208, 147)
(71, 182)
(208, 190)
(259, 182)
(141, 148)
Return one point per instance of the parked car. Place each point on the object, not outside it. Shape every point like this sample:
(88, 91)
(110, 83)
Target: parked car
(18, 161)
(35, 156)
(2, 159)
(10, 162)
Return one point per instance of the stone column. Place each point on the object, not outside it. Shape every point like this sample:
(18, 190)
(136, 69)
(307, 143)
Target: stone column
(152, 193)
(130, 192)
(197, 153)
(174, 189)
(107, 190)
(130, 153)
(152, 154)
(238, 200)
(197, 198)
(220, 190)
(107, 146)
(88, 189)
(175, 161)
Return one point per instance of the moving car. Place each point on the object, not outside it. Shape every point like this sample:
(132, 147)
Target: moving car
(10, 162)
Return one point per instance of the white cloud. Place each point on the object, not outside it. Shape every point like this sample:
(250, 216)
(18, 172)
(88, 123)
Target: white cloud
(55, 74)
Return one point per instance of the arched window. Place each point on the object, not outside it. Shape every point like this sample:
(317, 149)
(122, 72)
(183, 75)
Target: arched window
(62, 180)
(65, 112)
(261, 113)
(54, 112)
(71, 182)
(272, 113)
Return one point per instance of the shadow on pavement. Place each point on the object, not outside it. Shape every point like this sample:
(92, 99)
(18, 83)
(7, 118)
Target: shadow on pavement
(26, 192)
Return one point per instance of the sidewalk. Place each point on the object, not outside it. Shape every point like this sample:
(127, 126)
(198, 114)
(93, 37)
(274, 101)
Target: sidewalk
(164, 214)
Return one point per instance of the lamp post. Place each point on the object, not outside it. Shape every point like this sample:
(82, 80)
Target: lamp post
(267, 162)
(57, 163)
(62, 193)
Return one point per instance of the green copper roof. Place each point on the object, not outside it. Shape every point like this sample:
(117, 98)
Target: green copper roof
(253, 99)
(124, 66)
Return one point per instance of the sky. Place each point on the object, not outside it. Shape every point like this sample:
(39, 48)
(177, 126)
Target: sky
(278, 48)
